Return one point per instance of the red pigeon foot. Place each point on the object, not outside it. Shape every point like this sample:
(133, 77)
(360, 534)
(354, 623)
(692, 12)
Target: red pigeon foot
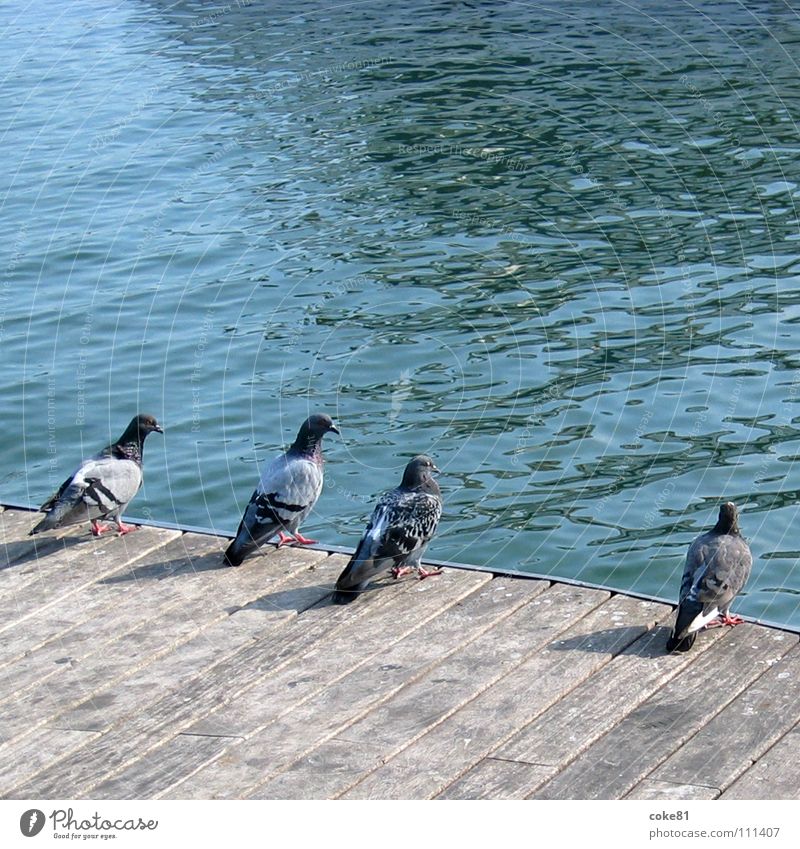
(288, 539)
(725, 620)
(299, 538)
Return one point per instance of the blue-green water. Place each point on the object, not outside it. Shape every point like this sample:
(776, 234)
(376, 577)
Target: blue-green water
(556, 248)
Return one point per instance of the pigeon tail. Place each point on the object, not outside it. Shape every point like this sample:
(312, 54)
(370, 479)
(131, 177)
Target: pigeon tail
(685, 644)
(37, 529)
(351, 583)
(235, 553)
(345, 596)
(59, 512)
(686, 627)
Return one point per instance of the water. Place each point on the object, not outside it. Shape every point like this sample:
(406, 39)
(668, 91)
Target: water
(556, 249)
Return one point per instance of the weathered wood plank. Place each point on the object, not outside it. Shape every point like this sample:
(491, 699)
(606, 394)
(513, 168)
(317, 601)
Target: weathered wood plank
(313, 670)
(388, 648)
(18, 549)
(14, 527)
(572, 724)
(428, 765)
(496, 779)
(42, 559)
(319, 694)
(658, 791)
(209, 690)
(181, 664)
(73, 567)
(113, 654)
(100, 609)
(108, 607)
(42, 748)
(776, 775)
(434, 697)
(739, 734)
(89, 681)
(144, 778)
(187, 590)
(631, 750)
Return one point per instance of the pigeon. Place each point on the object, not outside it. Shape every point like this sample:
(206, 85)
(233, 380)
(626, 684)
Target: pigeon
(717, 568)
(402, 524)
(102, 486)
(287, 491)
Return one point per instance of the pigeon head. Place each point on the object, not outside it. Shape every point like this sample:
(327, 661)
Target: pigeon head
(147, 424)
(311, 432)
(129, 445)
(136, 432)
(418, 472)
(728, 522)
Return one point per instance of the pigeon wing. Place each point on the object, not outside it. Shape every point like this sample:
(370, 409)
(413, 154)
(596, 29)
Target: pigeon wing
(727, 569)
(413, 524)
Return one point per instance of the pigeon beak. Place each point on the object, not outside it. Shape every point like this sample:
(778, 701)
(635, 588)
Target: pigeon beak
(334, 429)
(435, 469)
(158, 429)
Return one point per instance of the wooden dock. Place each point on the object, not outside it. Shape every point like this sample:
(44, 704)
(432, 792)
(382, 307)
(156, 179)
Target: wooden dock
(140, 667)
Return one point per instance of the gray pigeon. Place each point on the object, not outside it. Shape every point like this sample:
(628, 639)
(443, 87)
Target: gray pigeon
(402, 524)
(288, 489)
(717, 568)
(102, 486)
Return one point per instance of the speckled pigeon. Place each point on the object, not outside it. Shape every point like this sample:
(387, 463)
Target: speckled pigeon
(287, 491)
(102, 486)
(401, 526)
(717, 568)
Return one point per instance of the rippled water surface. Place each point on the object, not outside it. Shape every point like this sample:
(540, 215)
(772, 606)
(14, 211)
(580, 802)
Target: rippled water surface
(556, 248)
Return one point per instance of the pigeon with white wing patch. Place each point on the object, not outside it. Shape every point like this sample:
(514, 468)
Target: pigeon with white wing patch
(718, 565)
(102, 486)
(286, 493)
(402, 524)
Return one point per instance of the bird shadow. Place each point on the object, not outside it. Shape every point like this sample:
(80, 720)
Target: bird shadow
(298, 599)
(25, 551)
(628, 639)
(320, 597)
(185, 564)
